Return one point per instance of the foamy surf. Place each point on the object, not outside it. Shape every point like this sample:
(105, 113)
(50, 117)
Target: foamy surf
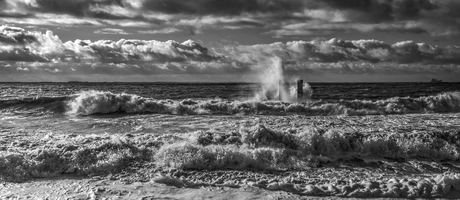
(99, 102)
(373, 156)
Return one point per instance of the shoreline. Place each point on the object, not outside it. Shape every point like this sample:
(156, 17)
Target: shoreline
(161, 187)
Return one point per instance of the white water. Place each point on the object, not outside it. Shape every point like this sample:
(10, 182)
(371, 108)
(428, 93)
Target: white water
(273, 80)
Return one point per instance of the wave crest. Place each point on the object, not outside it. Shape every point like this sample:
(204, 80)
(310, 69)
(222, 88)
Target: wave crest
(98, 102)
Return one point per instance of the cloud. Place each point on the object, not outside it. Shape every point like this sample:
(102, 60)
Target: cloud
(13, 14)
(22, 69)
(407, 16)
(436, 17)
(70, 12)
(34, 52)
(45, 52)
(106, 9)
(285, 18)
(221, 22)
(52, 20)
(55, 70)
(335, 50)
(111, 31)
(218, 7)
(160, 31)
(129, 23)
(141, 13)
(22, 45)
(13, 35)
(130, 8)
(317, 28)
(377, 68)
(379, 11)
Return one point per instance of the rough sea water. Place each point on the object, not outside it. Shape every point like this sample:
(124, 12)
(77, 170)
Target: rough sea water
(170, 132)
(259, 140)
(227, 98)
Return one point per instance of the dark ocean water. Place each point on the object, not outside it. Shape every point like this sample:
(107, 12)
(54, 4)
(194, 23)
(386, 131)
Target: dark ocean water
(47, 129)
(228, 98)
(228, 91)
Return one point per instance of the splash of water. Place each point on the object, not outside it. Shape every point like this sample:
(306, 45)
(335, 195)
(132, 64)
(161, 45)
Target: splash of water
(277, 86)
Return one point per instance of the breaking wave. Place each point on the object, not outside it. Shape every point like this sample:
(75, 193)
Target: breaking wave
(101, 102)
(97, 102)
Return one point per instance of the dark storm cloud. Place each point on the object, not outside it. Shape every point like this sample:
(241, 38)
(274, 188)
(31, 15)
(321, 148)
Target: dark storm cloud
(15, 15)
(195, 7)
(140, 10)
(436, 17)
(21, 55)
(96, 8)
(77, 8)
(381, 10)
(223, 7)
(99, 9)
(335, 50)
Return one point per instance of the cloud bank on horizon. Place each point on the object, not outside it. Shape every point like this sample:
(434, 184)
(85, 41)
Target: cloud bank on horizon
(31, 52)
(295, 30)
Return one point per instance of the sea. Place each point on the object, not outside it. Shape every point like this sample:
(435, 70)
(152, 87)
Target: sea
(90, 98)
(137, 130)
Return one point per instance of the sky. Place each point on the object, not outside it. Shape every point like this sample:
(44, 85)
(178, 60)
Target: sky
(229, 40)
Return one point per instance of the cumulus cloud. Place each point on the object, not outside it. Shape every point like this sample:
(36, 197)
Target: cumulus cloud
(22, 45)
(45, 52)
(22, 68)
(55, 70)
(23, 51)
(14, 35)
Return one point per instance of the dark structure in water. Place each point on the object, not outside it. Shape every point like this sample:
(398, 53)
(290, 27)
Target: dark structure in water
(284, 86)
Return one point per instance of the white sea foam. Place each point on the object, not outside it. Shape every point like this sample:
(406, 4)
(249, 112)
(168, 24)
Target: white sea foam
(277, 86)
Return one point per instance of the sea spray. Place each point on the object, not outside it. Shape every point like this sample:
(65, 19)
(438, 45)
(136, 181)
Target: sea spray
(277, 86)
